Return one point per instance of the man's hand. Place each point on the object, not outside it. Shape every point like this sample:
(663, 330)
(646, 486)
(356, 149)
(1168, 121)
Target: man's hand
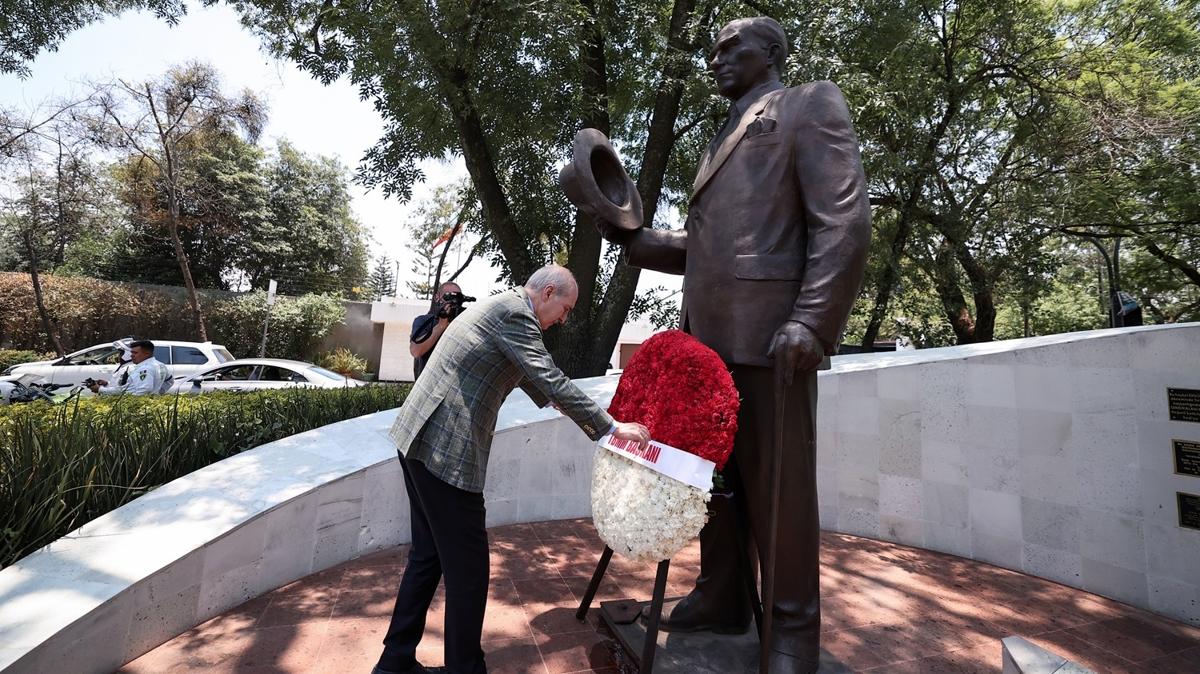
(95, 387)
(633, 432)
(795, 348)
(612, 233)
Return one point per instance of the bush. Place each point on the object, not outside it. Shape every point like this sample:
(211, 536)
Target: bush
(10, 357)
(298, 324)
(88, 311)
(344, 362)
(62, 466)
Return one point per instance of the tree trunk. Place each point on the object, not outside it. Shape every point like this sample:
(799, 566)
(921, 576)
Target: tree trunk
(954, 304)
(982, 292)
(482, 168)
(660, 139)
(185, 268)
(573, 348)
(887, 282)
(38, 298)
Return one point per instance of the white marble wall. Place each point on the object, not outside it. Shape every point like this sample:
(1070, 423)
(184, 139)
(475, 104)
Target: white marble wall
(1050, 456)
(209, 541)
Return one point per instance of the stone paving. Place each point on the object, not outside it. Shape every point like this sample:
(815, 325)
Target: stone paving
(887, 608)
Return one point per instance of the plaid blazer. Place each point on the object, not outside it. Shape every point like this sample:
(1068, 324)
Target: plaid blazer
(448, 420)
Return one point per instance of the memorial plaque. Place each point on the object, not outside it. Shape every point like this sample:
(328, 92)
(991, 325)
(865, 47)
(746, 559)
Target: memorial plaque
(1189, 510)
(1183, 404)
(1187, 457)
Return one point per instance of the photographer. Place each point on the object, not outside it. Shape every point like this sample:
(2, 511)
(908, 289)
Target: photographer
(147, 375)
(427, 329)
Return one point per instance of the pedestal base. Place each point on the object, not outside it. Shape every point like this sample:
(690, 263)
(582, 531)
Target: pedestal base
(692, 652)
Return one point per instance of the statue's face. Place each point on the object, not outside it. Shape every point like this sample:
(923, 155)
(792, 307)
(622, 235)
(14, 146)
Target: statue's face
(739, 61)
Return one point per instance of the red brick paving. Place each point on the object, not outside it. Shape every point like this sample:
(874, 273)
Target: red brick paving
(887, 608)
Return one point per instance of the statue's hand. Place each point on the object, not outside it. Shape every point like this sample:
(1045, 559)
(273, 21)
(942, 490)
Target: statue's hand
(612, 233)
(798, 347)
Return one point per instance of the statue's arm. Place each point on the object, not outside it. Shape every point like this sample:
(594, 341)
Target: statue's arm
(829, 174)
(658, 249)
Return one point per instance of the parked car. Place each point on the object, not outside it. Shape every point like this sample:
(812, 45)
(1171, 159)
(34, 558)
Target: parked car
(252, 374)
(99, 362)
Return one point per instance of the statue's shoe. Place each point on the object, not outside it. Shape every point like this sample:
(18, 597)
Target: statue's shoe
(689, 615)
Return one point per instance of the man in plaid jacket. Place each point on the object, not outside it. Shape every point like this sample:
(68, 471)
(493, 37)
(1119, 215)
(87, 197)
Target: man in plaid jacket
(444, 435)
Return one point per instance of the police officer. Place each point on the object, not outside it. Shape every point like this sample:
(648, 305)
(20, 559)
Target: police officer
(147, 376)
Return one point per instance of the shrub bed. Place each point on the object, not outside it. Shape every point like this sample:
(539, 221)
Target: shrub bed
(64, 465)
(9, 357)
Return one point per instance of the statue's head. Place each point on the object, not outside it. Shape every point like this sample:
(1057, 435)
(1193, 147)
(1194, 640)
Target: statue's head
(747, 53)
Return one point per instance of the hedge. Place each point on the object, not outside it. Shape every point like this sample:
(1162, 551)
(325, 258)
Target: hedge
(89, 311)
(62, 466)
(9, 357)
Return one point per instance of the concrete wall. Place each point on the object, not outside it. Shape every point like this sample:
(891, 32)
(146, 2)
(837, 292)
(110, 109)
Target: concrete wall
(1049, 455)
(357, 333)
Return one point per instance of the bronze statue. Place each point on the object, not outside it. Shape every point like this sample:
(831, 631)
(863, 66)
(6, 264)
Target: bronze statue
(772, 256)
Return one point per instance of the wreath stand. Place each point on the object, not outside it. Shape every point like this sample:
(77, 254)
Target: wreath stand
(650, 645)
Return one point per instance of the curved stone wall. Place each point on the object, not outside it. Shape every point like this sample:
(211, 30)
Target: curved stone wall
(158, 566)
(1048, 455)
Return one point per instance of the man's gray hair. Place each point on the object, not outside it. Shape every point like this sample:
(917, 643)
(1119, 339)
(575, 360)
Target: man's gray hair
(770, 32)
(551, 275)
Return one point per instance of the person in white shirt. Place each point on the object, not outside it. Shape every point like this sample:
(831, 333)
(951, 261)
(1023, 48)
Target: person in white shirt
(147, 375)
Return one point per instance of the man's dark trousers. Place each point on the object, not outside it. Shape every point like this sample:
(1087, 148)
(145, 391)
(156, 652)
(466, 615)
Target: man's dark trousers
(448, 537)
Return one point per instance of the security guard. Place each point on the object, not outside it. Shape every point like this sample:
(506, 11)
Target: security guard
(147, 376)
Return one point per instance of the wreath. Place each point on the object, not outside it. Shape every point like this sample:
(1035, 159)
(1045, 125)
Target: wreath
(682, 392)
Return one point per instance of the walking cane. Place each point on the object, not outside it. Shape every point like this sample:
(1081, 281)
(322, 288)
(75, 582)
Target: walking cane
(768, 605)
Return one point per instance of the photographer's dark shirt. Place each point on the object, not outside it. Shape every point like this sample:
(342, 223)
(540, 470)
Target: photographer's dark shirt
(423, 324)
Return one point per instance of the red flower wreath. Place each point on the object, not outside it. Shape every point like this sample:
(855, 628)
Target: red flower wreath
(680, 390)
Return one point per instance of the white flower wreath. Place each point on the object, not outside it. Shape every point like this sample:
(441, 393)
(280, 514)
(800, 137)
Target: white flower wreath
(642, 514)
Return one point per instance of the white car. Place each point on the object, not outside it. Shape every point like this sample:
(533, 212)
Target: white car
(98, 362)
(254, 374)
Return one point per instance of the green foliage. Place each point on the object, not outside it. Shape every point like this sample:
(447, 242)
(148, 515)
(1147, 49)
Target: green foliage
(298, 324)
(344, 362)
(62, 466)
(92, 311)
(383, 279)
(308, 239)
(10, 357)
(31, 26)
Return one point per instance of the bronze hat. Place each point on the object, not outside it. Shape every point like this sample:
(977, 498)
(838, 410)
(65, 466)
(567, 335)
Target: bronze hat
(596, 182)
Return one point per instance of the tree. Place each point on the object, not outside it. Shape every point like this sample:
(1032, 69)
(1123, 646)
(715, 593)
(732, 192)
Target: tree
(222, 206)
(158, 121)
(308, 239)
(382, 282)
(507, 84)
(439, 227)
(30, 26)
(50, 205)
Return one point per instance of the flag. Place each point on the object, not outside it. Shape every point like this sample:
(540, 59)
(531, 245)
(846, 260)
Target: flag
(450, 231)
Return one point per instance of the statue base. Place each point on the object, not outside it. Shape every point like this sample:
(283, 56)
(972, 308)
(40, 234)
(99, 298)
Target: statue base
(691, 652)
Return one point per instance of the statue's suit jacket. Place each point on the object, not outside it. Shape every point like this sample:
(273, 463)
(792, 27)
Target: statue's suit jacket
(777, 228)
(449, 417)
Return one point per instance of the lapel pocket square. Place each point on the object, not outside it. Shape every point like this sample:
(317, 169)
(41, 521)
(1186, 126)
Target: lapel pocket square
(760, 126)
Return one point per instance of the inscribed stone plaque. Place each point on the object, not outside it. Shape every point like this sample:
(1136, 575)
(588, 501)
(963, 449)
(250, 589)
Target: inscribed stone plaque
(1187, 457)
(1184, 404)
(1189, 510)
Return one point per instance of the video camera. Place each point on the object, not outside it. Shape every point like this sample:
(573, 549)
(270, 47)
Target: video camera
(452, 304)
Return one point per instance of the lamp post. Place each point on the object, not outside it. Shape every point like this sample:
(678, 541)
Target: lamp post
(262, 349)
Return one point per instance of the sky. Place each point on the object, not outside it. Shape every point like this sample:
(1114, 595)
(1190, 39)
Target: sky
(317, 119)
